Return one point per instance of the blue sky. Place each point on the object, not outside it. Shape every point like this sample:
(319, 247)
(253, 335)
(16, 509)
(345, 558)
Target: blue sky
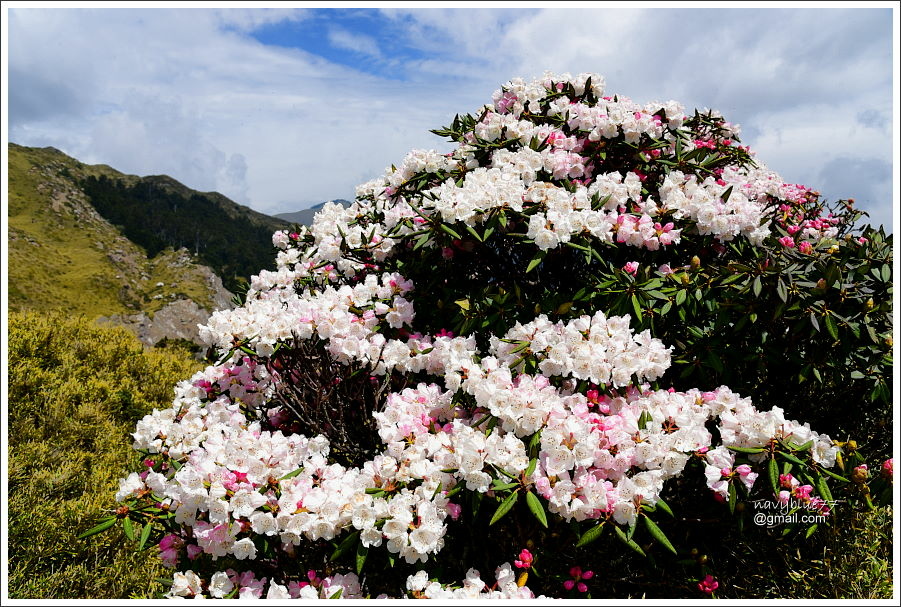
(284, 108)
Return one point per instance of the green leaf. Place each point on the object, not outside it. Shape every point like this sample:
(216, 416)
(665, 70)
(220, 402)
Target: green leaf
(661, 505)
(505, 507)
(644, 419)
(337, 595)
(362, 552)
(345, 545)
(472, 231)
(823, 489)
(657, 534)
(773, 472)
(781, 291)
(448, 229)
(810, 530)
(804, 447)
(756, 286)
(564, 307)
(749, 450)
(145, 535)
(292, 474)
(535, 261)
(732, 497)
(591, 535)
(103, 526)
(498, 485)
(129, 529)
(791, 458)
(628, 542)
(537, 509)
(636, 305)
(533, 463)
(830, 326)
(837, 477)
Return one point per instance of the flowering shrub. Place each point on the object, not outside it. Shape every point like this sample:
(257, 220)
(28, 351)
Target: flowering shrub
(448, 374)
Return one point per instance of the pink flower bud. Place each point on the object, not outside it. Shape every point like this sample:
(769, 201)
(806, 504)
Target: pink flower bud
(708, 585)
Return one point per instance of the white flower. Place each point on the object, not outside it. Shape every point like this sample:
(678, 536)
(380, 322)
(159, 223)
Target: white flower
(220, 585)
(244, 549)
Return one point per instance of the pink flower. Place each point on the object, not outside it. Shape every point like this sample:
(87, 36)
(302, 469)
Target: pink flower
(578, 575)
(784, 497)
(525, 559)
(787, 480)
(631, 268)
(805, 247)
(708, 585)
(454, 510)
(787, 242)
(888, 468)
(444, 333)
(803, 492)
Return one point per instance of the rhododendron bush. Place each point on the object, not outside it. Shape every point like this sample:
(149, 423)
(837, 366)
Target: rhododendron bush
(498, 360)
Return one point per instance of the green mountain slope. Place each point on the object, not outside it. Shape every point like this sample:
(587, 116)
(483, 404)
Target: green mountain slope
(63, 254)
(158, 212)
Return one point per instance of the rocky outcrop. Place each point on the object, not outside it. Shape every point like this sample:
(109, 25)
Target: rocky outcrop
(177, 320)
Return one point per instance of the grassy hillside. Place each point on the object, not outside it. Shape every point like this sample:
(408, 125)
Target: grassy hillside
(63, 255)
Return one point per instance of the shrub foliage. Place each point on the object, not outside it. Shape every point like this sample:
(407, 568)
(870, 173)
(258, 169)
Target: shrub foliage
(75, 392)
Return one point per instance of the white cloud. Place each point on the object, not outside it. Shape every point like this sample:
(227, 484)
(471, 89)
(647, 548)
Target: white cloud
(359, 43)
(190, 93)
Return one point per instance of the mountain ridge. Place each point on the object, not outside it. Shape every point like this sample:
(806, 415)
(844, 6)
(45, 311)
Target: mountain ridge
(64, 254)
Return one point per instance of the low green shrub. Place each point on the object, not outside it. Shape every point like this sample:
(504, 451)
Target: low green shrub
(75, 392)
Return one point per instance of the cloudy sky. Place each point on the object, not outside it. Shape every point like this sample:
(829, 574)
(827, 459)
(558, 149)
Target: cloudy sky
(280, 109)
